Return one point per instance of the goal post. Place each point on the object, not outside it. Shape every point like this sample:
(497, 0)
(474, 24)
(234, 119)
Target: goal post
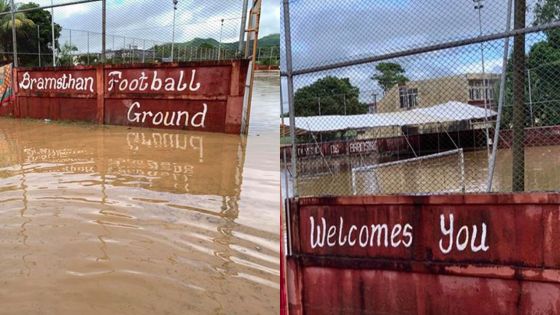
(413, 176)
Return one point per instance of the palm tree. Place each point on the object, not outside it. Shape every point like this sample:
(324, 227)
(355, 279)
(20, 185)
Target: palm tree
(22, 24)
(66, 57)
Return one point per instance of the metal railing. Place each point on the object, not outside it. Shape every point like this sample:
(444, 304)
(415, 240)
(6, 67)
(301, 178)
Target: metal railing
(393, 99)
(58, 32)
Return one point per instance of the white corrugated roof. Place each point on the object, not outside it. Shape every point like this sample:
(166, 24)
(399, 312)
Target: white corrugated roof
(450, 111)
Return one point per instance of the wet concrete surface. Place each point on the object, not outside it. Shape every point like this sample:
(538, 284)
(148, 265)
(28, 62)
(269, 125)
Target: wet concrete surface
(115, 220)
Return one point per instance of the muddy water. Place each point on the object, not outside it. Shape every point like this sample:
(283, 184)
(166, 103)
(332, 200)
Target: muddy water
(442, 175)
(110, 220)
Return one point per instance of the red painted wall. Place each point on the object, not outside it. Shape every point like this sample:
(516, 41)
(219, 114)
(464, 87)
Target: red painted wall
(202, 96)
(7, 109)
(426, 143)
(517, 271)
(58, 98)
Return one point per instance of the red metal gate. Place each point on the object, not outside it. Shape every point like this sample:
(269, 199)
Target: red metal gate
(451, 254)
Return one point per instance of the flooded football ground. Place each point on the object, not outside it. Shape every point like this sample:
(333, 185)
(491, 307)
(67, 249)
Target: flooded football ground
(116, 220)
(441, 175)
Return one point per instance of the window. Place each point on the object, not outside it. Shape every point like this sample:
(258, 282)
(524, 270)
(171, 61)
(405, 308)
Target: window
(408, 97)
(478, 91)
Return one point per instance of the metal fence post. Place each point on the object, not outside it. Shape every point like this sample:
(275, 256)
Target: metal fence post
(529, 90)
(518, 146)
(144, 51)
(123, 53)
(52, 31)
(242, 27)
(103, 29)
(87, 47)
(39, 43)
(220, 43)
(173, 36)
(290, 86)
(14, 38)
(501, 101)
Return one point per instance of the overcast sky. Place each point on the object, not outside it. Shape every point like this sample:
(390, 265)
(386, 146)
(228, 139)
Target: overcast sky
(152, 20)
(341, 30)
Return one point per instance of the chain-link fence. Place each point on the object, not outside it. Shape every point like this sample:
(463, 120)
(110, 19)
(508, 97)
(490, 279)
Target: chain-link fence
(145, 31)
(385, 97)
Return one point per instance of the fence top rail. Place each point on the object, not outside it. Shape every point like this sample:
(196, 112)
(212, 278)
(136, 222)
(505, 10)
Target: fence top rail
(49, 6)
(440, 199)
(194, 63)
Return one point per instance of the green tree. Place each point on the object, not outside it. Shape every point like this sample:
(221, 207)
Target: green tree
(206, 46)
(328, 96)
(31, 45)
(27, 25)
(389, 74)
(66, 57)
(544, 66)
(88, 59)
(22, 25)
(546, 11)
(543, 69)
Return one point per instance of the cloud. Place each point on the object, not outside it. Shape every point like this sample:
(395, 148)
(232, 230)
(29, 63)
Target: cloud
(270, 17)
(136, 21)
(343, 30)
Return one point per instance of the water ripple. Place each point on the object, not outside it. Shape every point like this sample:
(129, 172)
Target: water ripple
(97, 220)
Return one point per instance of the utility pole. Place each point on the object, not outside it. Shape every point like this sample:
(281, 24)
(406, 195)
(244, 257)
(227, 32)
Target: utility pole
(518, 165)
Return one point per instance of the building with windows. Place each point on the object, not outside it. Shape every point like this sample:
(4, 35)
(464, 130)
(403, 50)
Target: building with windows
(473, 88)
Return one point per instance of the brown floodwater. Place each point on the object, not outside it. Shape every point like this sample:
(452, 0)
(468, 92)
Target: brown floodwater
(440, 175)
(113, 220)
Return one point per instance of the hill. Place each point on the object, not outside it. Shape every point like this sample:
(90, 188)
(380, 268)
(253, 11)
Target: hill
(272, 40)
